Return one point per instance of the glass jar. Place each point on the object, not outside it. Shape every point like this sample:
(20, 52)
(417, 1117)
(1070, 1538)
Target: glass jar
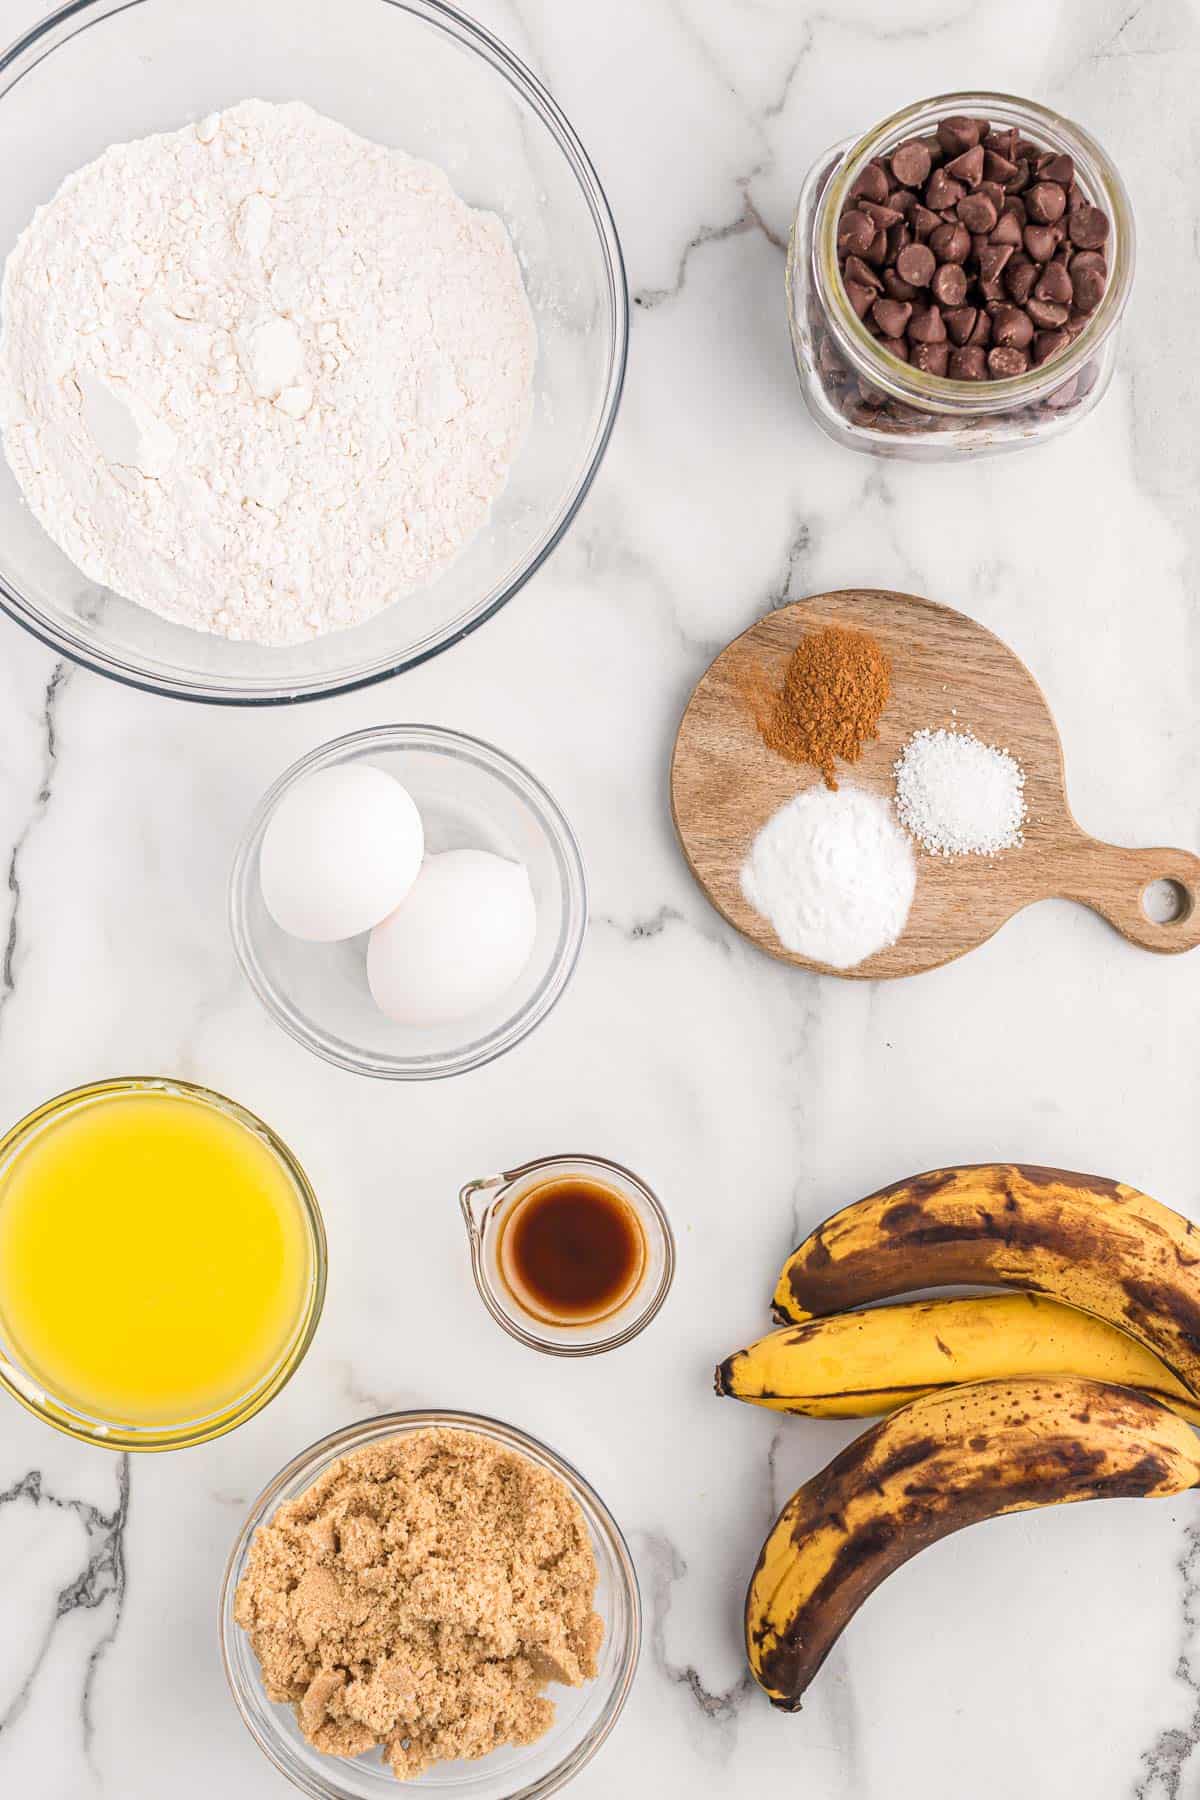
(869, 400)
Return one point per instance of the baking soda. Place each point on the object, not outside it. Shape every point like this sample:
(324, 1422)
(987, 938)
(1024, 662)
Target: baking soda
(834, 875)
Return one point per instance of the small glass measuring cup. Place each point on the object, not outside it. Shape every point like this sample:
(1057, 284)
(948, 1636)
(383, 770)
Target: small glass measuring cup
(488, 1203)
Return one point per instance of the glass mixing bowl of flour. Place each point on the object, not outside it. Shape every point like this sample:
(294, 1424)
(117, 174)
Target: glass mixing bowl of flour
(410, 73)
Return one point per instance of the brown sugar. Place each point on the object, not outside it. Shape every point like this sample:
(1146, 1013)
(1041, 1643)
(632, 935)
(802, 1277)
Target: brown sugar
(420, 1596)
(835, 686)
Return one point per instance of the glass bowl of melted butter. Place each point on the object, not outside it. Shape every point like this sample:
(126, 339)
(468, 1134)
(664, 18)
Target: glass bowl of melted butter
(162, 1263)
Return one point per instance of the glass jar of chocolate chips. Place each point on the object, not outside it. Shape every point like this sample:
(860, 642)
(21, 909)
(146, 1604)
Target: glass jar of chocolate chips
(956, 278)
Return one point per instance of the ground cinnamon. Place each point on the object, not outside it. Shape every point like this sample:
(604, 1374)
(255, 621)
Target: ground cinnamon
(835, 686)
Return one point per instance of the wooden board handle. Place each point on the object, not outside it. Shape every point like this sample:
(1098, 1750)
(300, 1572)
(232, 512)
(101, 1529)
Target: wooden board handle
(1113, 882)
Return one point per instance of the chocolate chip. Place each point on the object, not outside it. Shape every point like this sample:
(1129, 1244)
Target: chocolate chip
(981, 332)
(957, 134)
(1014, 204)
(858, 270)
(855, 232)
(1002, 142)
(933, 358)
(1016, 184)
(977, 212)
(998, 168)
(899, 237)
(993, 260)
(968, 167)
(950, 284)
(1005, 361)
(926, 326)
(861, 298)
(1047, 315)
(1040, 241)
(896, 288)
(942, 191)
(876, 250)
(969, 364)
(916, 265)
(1048, 344)
(994, 192)
(1046, 202)
(895, 347)
(871, 184)
(892, 316)
(911, 163)
(1055, 283)
(1087, 288)
(1056, 168)
(1019, 278)
(934, 146)
(828, 360)
(1006, 230)
(1011, 325)
(1088, 228)
(882, 216)
(959, 321)
(950, 243)
(901, 200)
(923, 221)
(1066, 395)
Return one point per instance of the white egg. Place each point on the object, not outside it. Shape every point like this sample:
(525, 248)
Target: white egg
(342, 849)
(458, 942)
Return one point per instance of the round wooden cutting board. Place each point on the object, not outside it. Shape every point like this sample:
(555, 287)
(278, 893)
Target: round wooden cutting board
(947, 671)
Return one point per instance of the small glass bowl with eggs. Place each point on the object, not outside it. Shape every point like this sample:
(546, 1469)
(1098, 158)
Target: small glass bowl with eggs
(408, 902)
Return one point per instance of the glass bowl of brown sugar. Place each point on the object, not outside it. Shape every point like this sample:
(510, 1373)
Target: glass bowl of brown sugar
(583, 1716)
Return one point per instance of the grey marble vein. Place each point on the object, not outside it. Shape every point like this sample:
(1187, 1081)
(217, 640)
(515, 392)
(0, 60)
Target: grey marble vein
(59, 677)
(721, 1706)
(101, 1580)
(1166, 1761)
(748, 219)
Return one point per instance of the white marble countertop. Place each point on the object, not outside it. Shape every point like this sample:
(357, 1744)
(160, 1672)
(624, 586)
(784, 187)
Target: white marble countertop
(1053, 1654)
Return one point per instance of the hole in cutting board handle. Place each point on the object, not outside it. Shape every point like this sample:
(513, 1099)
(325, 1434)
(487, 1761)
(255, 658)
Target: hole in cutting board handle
(1167, 901)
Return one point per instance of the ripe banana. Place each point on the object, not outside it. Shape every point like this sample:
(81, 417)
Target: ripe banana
(1095, 1244)
(943, 1462)
(854, 1365)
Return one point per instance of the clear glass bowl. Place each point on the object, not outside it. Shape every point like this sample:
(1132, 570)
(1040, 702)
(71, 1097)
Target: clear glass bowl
(469, 796)
(119, 1434)
(584, 1716)
(486, 1205)
(866, 399)
(414, 73)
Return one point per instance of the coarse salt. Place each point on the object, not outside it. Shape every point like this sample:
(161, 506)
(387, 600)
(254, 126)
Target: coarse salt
(958, 796)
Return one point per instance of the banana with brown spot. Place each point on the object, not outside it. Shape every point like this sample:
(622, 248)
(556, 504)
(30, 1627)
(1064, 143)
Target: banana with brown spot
(860, 1364)
(937, 1465)
(1095, 1244)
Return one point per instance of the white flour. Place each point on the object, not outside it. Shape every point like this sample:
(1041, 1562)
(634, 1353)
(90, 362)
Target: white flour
(261, 375)
(833, 873)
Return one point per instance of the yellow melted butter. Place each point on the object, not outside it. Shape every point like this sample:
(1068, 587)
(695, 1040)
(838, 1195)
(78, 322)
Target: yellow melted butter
(154, 1258)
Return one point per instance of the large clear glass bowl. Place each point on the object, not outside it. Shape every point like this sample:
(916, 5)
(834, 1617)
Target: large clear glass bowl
(584, 1716)
(414, 73)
